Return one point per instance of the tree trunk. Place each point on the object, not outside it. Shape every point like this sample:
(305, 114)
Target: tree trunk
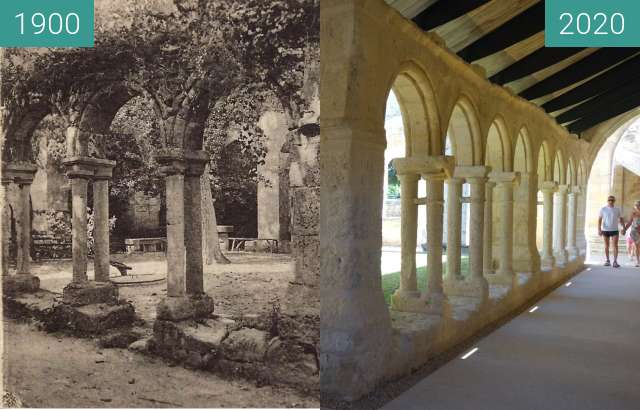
(210, 241)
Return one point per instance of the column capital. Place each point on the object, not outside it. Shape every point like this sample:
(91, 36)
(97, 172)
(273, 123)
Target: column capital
(549, 186)
(21, 173)
(178, 161)
(84, 167)
(104, 169)
(469, 172)
(425, 166)
(563, 189)
(410, 177)
(575, 190)
(503, 178)
(455, 180)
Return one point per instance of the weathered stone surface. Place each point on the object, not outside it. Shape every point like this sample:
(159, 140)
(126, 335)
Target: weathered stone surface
(246, 345)
(85, 293)
(37, 305)
(307, 253)
(185, 307)
(140, 346)
(91, 319)
(20, 284)
(305, 211)
(121, 339)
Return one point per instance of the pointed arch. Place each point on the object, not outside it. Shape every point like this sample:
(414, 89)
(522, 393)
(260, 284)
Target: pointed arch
(522, 153)
(498, 157)
(545, 172)
(559, 168)
(464, 133)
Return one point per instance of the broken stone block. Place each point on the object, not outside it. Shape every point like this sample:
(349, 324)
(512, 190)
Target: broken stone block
(140, 346)
(307, 254)
(246, 345)
(86, 293)
(185, 307)
(90, 319)
(119, 339)
(21, 283)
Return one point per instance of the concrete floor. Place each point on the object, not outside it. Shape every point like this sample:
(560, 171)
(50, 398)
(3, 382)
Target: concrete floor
(579, 350)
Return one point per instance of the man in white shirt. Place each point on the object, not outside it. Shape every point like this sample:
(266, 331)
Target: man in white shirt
(608, 221)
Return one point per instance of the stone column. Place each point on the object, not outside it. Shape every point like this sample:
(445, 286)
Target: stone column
(356, 326)
(505, 182)
(21, 174)
(572, 247)
(487, 257)
(525, 252)
(408, 232)
(194, 281)
(176, 252)
(475, 284)
(23, 260)
(79, 239)
(434, 295)
(81, 291)
(185, 294)
(547, 259)
(454, 228)
(101, 221)
(6, 225)
(560, 231)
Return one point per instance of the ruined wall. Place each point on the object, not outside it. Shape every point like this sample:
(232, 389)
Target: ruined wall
(304, 177)
(273, 187)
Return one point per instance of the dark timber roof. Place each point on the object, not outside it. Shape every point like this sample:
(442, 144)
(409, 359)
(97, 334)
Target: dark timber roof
(580, 87)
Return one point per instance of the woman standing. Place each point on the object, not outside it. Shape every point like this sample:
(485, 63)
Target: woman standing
(634, 225)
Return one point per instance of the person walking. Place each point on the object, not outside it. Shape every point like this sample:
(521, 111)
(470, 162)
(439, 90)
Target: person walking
(610, 217)
(634, 230)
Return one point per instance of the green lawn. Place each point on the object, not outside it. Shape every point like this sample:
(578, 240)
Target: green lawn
(391, 281)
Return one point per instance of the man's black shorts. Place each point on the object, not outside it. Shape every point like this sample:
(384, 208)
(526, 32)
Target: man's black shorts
(609, 234)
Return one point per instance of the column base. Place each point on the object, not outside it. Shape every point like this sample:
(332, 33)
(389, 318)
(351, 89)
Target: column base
(573, 253)
(502, 278)
(547, 262)
(20, 283)
(407, 301)
(176, 308)
(436, 304)
(561, 259)
(90, 292)
(471, 287)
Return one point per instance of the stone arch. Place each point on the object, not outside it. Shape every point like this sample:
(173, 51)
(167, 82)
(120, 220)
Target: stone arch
(544, 163)
(558, 168)
(414, 93)
(523, 153)
(571, 175)
(582, 177)
(464, 132)
(19, 131)
(498, 158)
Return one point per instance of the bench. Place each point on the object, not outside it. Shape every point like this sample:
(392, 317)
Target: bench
(121, 267)
(238, 243)
(145, 244)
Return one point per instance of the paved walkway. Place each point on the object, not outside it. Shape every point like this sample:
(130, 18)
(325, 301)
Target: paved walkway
(579, 350)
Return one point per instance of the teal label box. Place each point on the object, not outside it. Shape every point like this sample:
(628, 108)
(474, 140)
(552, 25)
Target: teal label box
(46, 23)
(592, 23)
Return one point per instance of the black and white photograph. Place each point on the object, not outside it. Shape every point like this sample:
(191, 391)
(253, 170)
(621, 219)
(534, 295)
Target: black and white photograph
(160, 218)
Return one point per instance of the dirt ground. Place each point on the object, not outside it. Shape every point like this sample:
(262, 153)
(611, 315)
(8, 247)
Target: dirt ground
(57, 371)
(250, 284)
(48, 370)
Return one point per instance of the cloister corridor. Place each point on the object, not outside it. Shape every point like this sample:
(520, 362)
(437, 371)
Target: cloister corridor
(464, 167)
(574, 349)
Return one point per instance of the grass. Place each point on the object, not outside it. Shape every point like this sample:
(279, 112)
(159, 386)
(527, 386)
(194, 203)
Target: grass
(391, 281)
